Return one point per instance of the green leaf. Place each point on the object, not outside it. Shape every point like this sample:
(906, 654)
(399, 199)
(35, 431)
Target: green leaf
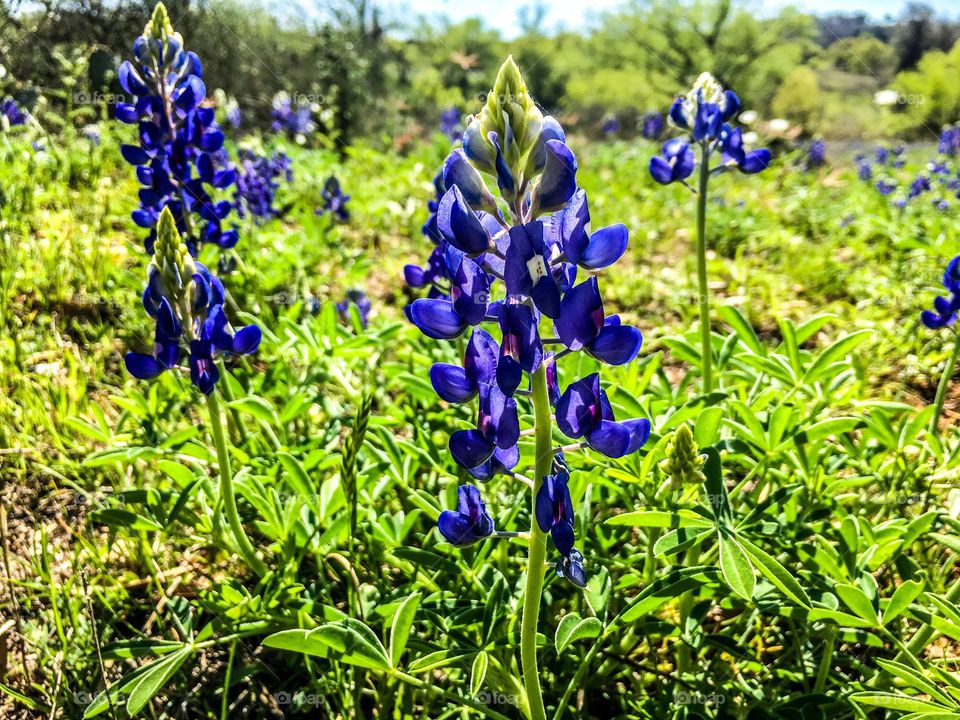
(901, 599)
(152, 681)
(706, 429)
(258, 408)
(776, 573)
(348, 640)
(478, 672)
(679, 539)
(736, 567)
(435, 660)
(572, 627)
(891, 701)
(735, 319)
(857, 600)
(835, 352)
(912, 678)
(825, 428)
(400, 631)
(139, 648)
(667, 587)
(659, 519)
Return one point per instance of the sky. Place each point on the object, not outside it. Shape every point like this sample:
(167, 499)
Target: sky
(572, 14)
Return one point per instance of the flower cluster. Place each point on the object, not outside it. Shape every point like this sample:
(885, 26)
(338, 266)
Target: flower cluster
(187, 302)
(358, 300)
(176, 158)
(258, 181)
(940, 179)
(950, 141)
(945, 308)
(513, 262)
(816, 155)
(706, 112)
(651, 126)
(294, 120)
(334, 201)
(12, 113)
(611, 125)
(450, 124)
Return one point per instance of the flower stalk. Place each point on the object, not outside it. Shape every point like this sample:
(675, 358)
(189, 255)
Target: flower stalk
(543, 421)
(944, 384)
(227, 491)
(703, 297)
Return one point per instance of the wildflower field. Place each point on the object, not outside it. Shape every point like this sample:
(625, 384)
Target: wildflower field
(512, 419)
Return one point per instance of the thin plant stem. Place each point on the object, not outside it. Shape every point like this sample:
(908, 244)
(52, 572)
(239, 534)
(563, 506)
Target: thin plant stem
(227, 495)
(538, 549)
(944, 385)
(449, 696)
(703, 297)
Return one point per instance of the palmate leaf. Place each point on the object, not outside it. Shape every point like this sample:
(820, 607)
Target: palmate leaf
(348, 641)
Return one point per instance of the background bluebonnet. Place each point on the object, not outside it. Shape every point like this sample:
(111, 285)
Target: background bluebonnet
(178, 138)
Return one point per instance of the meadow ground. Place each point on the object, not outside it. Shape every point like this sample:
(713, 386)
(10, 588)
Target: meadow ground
(839, 512)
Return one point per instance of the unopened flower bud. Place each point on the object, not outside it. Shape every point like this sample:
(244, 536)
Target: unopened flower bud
(684, 463)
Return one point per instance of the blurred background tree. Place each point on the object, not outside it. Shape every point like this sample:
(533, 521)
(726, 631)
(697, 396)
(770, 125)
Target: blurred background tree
(386, 79)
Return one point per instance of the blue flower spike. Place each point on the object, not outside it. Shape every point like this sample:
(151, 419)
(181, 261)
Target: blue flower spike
(511, 262)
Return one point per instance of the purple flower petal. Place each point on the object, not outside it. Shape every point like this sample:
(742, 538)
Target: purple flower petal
(437, 319)
(581, 315)
(470, 448)
(141, 366)
(616, 344)
(451, 383)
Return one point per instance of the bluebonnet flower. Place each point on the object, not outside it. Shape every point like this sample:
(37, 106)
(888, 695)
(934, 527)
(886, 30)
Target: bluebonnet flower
(816, 154)
(258, 181)
(885, 186)
(949, 143)
(177, 139)
(187, 302)
(470, 522)
(450, 123)
(898, 159)
(584, 412)
(705, 111)
(355, 299)
(945, 309)
(12, 113)
(920, 185)
(864, 168)
(651, 126)
(611, 125)
(675, 162)
(882, 155)
(234, 115)
(294, 120)
(334, 201)
(92, 134)
(510, 263)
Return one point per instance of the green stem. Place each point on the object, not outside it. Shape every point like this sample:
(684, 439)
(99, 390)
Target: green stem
(703, 299)
(226, 489)
(826, 660)
(944, 384)
(538, 549)
(685, 607)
